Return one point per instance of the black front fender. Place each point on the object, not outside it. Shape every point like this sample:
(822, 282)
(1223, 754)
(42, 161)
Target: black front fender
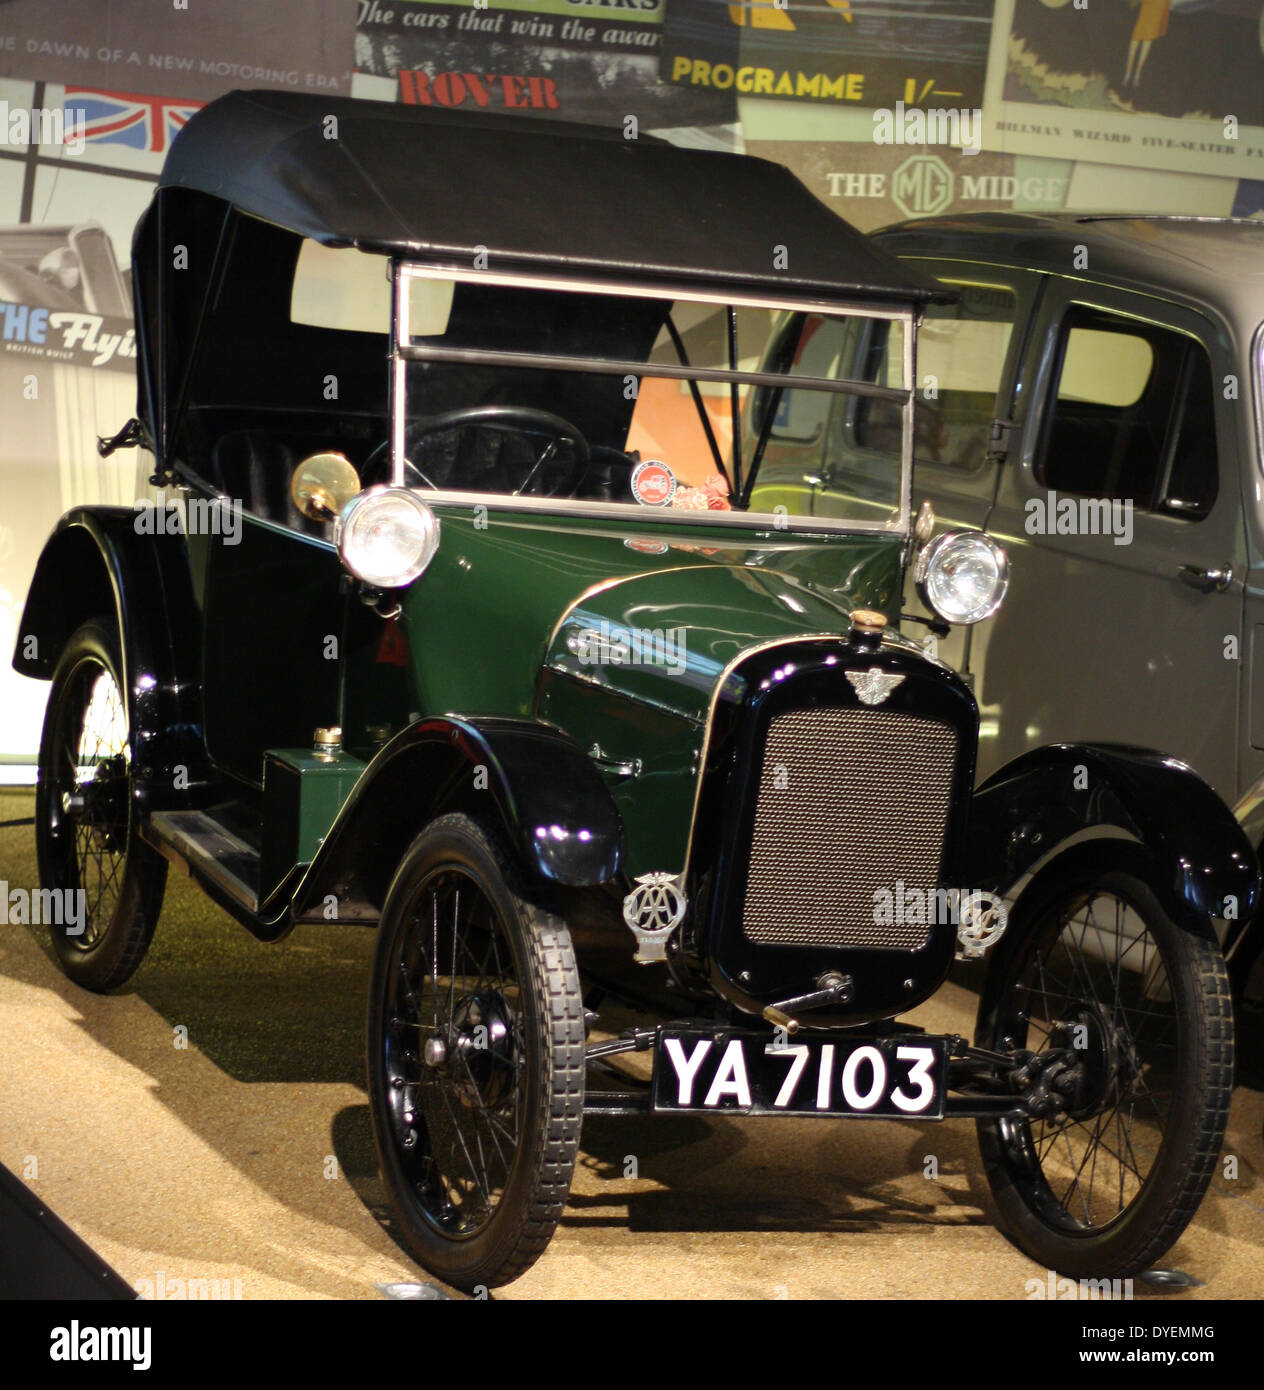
(96, 564)
(1031, 809)
(529, 777)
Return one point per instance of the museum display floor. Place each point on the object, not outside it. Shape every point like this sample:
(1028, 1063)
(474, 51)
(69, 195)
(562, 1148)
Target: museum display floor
(246, 1154)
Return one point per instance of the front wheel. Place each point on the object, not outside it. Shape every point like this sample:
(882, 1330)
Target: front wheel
(476, 1058)
(1093, 968)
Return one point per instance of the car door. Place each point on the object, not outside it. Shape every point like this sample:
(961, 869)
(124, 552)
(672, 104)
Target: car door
(1121, 514)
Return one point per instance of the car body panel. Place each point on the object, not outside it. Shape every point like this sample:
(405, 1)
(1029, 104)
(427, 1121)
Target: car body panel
(1136, 626)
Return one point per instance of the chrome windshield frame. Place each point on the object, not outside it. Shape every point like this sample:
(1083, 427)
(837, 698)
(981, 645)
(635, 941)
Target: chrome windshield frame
(403, 351)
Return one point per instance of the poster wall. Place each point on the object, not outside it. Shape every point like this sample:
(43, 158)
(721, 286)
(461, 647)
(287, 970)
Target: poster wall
(67, 347)
(71, 192)
(1116, 82)
(1087, 105)
(863, 54)
(864, 185)
(575, 60)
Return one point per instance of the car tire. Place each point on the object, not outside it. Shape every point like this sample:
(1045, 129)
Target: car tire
(85, 816)
(447, 1100)
(1183, 1048)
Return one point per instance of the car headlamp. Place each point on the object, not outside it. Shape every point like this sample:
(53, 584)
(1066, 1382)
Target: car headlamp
(387, 536)
(962, 576)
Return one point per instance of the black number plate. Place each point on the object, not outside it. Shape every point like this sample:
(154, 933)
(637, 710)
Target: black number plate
(718, 1070)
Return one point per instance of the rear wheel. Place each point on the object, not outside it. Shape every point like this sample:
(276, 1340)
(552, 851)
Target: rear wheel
(108, 884)
(476, 1058)
(1092, 966)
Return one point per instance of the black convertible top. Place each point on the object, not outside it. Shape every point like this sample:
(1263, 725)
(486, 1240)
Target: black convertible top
(540, 196)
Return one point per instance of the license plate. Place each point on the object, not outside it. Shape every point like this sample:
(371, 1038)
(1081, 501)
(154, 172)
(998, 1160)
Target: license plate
(723, 1071)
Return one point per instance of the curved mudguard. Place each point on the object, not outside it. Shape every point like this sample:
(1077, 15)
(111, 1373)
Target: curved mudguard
(1028, 810)
(530, 777)
(96, 563)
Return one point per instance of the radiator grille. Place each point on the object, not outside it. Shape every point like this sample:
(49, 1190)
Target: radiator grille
(850, 801)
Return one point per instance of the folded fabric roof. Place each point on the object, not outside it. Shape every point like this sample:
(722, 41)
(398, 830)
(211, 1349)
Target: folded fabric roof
(539, 196)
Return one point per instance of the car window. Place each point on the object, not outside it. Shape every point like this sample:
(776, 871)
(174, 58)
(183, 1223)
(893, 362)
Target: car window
(802, 415)
(341, 288)
(1133, 415)
(961, 352)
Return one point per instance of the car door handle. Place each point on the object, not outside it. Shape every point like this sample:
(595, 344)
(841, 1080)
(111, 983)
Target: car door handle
(614, 766)
(1206, 579)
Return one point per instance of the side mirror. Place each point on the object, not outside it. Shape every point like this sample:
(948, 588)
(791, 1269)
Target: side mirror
(322, 485)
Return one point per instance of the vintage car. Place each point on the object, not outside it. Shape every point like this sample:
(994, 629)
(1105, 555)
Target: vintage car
(483, 627)
(1097, 409)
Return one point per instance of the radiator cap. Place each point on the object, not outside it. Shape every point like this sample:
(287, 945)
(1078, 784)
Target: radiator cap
(867, 620)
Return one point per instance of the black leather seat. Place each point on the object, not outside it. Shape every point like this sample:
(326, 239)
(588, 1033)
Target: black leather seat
(254, 467)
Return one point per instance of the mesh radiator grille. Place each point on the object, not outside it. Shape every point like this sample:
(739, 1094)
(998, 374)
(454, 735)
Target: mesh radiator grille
(850, 801)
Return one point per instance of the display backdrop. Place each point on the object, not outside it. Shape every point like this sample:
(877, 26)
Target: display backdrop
(1085, 105)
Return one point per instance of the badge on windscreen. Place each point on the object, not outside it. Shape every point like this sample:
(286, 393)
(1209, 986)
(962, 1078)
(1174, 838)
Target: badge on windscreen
(653, 483)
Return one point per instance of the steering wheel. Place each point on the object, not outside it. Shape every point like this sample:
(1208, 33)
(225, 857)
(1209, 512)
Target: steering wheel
(498, 417)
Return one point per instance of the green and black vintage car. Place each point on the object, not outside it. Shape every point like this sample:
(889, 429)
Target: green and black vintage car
(464, 612)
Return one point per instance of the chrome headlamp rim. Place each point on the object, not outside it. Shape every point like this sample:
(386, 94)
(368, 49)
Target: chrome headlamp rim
(371, 497)
(932, 555)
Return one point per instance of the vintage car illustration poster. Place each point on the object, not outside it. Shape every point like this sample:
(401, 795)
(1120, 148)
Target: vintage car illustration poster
(834, 51)
(1113, 83)
(67, 346)
(576, 60)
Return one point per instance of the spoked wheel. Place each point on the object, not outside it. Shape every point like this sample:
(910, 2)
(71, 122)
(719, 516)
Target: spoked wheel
(1135, 1012)
(108, 884)
(476, 1058)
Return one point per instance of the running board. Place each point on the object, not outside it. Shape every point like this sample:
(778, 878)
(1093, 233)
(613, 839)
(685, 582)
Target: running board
(210, 851)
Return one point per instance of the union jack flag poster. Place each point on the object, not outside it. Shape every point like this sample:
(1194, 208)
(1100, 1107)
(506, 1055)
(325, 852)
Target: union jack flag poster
(128, 118)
